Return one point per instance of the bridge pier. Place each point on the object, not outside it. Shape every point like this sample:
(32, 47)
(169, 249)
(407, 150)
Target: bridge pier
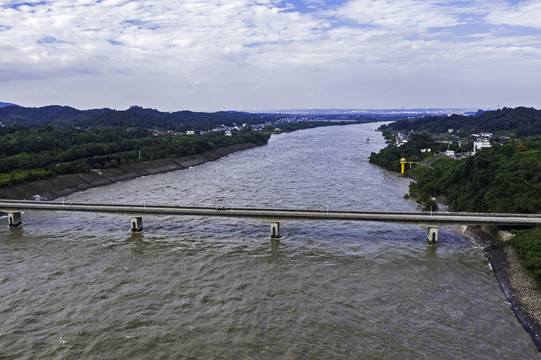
(275, 231)
(14, 219)
(432, 236)
(137, 223)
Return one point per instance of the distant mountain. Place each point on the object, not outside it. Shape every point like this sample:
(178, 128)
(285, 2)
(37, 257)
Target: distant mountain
(135, 116)
(406, 112)
(3, 104)
(43, 115)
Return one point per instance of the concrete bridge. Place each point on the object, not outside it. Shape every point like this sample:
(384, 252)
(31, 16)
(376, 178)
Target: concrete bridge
(14, 209)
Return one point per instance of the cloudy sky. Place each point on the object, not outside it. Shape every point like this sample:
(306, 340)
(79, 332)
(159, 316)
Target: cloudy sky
(207, 55)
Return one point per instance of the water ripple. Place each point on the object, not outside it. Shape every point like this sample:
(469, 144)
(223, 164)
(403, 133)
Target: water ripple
(80, 285)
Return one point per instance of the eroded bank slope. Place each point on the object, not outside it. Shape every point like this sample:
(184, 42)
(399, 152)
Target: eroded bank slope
(64, 185)
(519, 287)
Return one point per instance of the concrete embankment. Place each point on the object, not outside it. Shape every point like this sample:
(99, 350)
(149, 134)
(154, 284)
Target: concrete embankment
(64, 185)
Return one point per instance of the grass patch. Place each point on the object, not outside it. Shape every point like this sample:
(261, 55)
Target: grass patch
(528, 245)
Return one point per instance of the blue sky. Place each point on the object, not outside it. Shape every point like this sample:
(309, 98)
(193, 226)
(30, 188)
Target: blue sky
(209, 55)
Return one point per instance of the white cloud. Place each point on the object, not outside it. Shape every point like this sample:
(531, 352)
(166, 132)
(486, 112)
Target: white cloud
(256, 53)
(515, 13)
(400, 14)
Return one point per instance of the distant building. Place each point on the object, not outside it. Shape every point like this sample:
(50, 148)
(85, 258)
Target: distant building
(481, 143)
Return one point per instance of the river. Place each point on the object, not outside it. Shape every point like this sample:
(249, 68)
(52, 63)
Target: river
(82, 286)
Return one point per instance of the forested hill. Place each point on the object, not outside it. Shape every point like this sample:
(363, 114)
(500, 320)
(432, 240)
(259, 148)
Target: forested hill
(134, 116)
(520, 121)
(10, 115)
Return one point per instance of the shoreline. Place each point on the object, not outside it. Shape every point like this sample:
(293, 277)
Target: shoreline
(517, 285)
(64, 185)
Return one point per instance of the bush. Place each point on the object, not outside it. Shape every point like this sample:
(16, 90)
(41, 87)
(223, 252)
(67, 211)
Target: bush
(528, 245)
(20, 176)
(430, 205)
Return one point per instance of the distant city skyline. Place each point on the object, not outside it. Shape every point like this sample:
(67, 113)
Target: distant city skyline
(252, 55)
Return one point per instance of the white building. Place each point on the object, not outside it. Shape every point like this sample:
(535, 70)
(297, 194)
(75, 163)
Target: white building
(480, 143)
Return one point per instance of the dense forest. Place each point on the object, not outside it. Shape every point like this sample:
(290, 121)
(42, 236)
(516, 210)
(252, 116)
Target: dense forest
(497, 179)
(65, 116)
(33, 153)
(500, 179)
(520, 121)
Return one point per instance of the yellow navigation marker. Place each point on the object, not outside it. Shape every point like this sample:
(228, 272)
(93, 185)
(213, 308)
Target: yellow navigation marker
(403, 163)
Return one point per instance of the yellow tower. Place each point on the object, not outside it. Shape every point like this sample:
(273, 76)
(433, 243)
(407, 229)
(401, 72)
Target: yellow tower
(403, 163)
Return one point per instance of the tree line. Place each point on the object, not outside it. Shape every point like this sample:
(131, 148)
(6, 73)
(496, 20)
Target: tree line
(389, 157)
(516, 122)
(65, 116)
(33, 153)
(499, 179)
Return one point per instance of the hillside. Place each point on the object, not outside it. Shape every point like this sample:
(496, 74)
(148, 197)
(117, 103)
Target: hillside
(499, 179)
(66, 116)
(35, 153)
(520, 121)
(136, 116)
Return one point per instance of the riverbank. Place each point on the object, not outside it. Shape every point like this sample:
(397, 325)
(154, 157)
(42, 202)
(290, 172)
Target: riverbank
(518, 286)
(64, 185)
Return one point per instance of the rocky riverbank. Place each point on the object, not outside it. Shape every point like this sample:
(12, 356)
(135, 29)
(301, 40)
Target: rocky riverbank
(63, 185)
(519, 287)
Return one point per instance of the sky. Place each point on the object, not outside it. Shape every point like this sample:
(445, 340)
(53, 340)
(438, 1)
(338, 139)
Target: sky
(250, 55)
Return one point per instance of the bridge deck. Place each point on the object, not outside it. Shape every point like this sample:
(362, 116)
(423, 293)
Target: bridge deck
(278, 215)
